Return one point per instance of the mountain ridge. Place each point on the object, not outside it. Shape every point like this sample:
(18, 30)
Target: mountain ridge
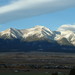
(36, 38)
(37, 33)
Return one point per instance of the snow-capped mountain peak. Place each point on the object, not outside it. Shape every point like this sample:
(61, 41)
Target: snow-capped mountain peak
(38, 38)
(38, 26)
(67, 32)
(38, 32)
(8, 31)
(11, 33)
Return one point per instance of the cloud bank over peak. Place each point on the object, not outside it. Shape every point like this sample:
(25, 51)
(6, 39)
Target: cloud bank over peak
(19, 9)
(66, 28)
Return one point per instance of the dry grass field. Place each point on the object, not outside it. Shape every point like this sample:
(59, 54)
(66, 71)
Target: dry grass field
(42, 63)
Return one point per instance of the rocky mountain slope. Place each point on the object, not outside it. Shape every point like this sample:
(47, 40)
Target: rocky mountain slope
(37, 38)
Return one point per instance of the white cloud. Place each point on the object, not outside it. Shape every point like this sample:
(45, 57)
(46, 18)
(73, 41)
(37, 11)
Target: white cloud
(27, 8)
(67, 27)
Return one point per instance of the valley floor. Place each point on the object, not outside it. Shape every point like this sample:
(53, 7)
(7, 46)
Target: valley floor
(36, 62)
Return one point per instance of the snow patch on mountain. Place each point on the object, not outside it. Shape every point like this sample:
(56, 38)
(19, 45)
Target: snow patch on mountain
(38, 32)
(68, 32)
(64, 35)
(11, 32)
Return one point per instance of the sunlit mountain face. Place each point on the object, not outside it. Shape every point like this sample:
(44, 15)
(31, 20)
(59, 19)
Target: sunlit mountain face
(38, 38)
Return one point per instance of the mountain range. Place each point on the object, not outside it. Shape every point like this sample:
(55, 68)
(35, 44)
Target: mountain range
(38, 38)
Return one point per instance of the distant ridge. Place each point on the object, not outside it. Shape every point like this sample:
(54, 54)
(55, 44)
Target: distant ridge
(38, 38)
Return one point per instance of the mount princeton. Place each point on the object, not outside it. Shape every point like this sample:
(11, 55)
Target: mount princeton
(38, 38)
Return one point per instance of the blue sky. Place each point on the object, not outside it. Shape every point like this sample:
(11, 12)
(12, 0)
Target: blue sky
(52, 19)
